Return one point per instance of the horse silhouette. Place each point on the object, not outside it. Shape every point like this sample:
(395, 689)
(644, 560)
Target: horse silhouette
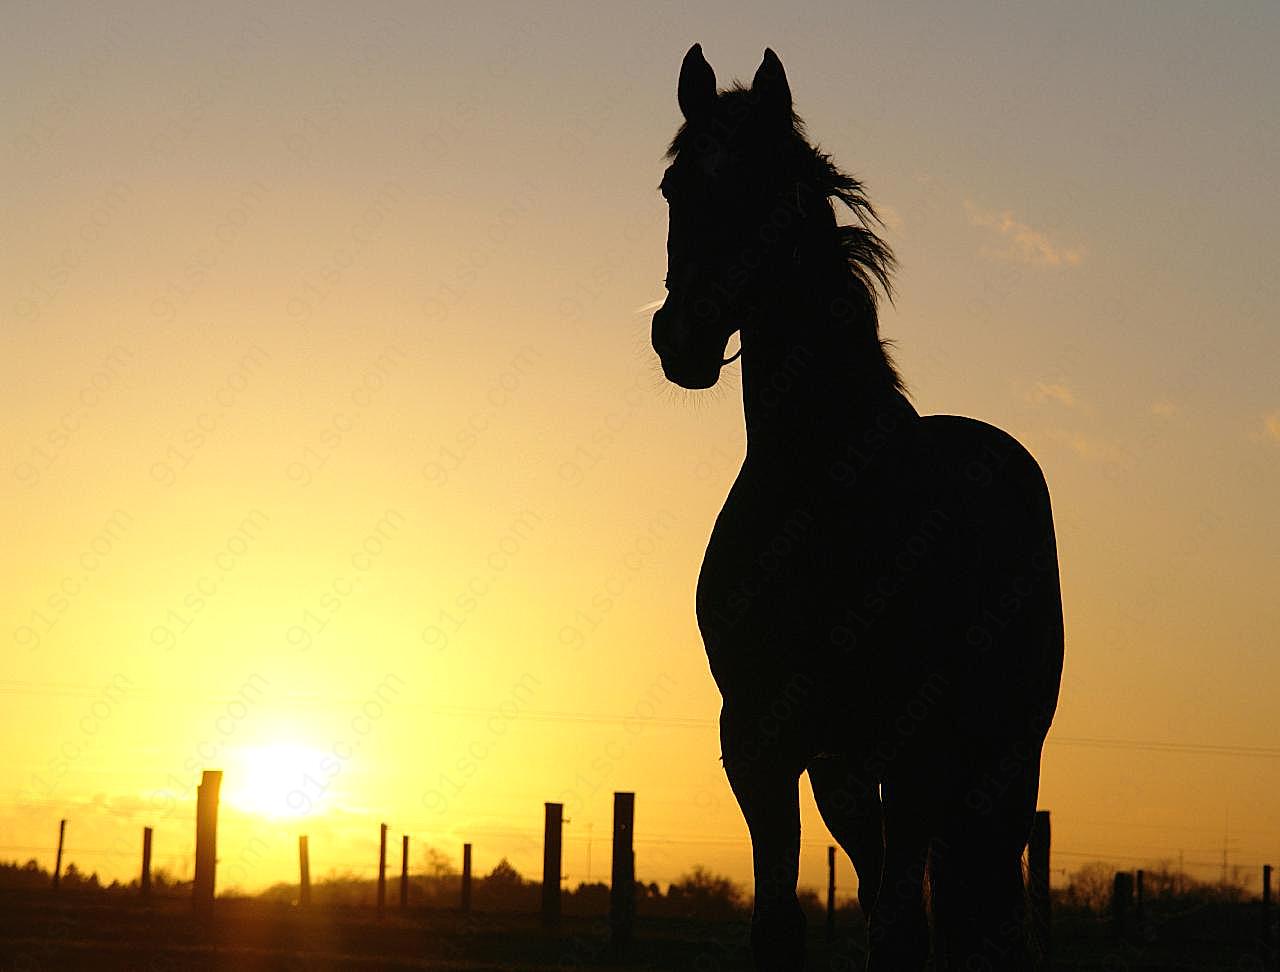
(879, 599)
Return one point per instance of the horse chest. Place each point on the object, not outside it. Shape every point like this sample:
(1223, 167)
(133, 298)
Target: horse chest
(812, 581)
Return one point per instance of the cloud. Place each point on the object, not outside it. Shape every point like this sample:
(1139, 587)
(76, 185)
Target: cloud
(890, 217)
(1092, 449)
(1053, 393)
(1271, 426)
(1025, 244)
(1164, 408)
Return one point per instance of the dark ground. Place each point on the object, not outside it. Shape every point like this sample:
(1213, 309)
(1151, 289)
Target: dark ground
(40, 931)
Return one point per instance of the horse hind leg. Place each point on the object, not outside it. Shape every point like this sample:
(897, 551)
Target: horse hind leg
(850, 807)
(977, 887)
(979, 907)
(899, 929)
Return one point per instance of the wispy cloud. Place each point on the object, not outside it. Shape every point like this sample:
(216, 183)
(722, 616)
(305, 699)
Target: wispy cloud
(1092, 448)
(1056, 392)
(1164, 408)
(890, 217)
(1271, 426)
(1024, 243)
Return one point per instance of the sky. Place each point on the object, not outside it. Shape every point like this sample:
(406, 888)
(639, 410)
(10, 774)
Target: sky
(335, 456)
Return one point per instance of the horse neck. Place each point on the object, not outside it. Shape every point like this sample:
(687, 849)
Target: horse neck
(811, 379)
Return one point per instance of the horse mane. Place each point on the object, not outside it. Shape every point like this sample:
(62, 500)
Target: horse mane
(866, 257)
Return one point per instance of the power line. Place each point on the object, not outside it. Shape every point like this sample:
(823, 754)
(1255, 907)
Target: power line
(77, 689)
(19, 687)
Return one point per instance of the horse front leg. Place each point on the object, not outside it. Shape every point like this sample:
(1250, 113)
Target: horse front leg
(766, 783)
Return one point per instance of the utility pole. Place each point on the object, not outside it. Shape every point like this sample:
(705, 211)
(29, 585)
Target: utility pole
(1226, 837)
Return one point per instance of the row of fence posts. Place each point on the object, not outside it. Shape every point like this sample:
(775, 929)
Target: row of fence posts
(1128, 899)
(622, 873)
(144, 883)
(1129, 912)
(622, 892)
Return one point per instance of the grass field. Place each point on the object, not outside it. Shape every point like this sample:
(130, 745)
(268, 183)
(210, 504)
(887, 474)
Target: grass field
(40, 931)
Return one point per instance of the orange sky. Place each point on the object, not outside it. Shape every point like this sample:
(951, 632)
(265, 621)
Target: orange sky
(335, 456)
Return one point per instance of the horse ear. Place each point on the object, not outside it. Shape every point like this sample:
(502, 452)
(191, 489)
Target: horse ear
(770, 85)
(697, 89)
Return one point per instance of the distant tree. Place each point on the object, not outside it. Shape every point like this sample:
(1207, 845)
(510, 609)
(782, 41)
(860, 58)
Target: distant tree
(282, 892)
(437, 864)
(504, 875)
(503, 889)
(165, 883)
(703, 894)
(588, 899)
(28, 875)
(1162, 881)
(1089, 887)
(810, 903)
(1233, 889)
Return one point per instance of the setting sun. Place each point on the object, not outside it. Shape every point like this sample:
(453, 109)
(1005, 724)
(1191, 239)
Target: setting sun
(276, 780)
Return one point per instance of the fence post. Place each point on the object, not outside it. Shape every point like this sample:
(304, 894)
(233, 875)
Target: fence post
(551, 864)
(1121, 902)
(1139, 899)
(404, 872)
(622, 878)
(382, 870)
(304, 875)
(1038, 879)
(145, 883)
(1267, 942)
(57, 862)
(206, 841)
(831, 893)
(466, 879)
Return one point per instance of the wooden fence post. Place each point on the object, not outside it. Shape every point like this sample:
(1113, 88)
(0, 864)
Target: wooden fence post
(466, 879)
(206, 841)
(1139, 898)
(622, 878)
(1038, 874)
(145, 883)
(57, 862)
(1121, 902)
(831, 893)
(382, 870)
(304, 872)
(404, 872)
(551, 836)
(1268, 944)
